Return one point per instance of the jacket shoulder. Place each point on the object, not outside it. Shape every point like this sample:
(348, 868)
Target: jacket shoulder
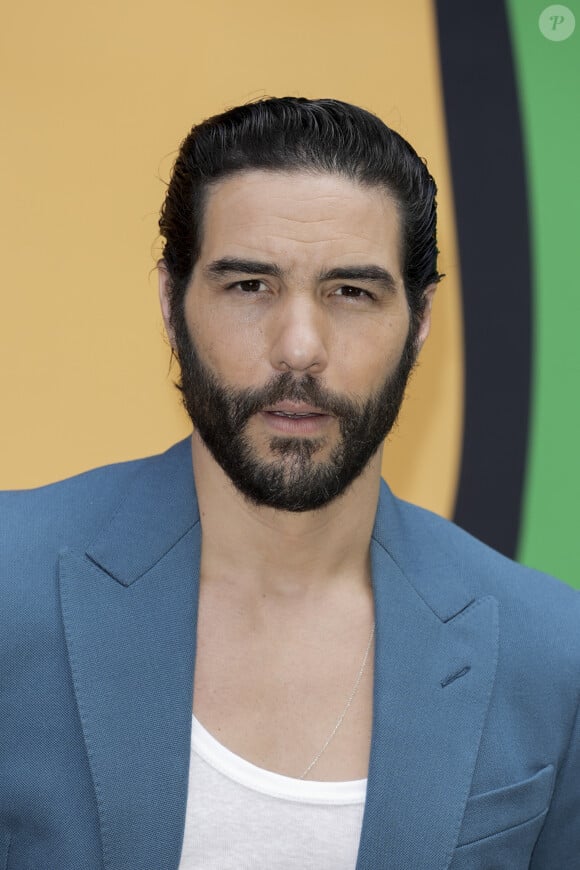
(436, 555)
(438, 541)
(34, 513)
(65, 513)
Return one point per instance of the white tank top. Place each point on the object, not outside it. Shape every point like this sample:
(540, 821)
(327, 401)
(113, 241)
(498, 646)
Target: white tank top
(240, 816)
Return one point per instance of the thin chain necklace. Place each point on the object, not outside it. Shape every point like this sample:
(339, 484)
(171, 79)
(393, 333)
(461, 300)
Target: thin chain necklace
(348, 703)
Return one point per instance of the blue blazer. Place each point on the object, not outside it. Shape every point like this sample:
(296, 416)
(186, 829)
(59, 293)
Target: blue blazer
(475, 753)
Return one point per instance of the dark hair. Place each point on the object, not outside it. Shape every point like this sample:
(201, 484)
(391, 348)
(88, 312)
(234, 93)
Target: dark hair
(294, 133)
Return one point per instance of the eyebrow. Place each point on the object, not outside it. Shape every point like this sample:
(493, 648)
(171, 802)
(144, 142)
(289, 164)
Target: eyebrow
(371, 272)
(376, 274)
(226, 265)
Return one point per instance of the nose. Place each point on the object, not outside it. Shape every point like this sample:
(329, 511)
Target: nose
(298, 337)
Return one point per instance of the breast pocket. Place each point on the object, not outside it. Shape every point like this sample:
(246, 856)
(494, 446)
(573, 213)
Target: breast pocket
(505, 809)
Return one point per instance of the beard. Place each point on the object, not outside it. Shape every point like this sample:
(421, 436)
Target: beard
(294, 480)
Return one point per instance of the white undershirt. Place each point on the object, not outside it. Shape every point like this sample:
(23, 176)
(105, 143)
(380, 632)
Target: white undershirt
(241, 817)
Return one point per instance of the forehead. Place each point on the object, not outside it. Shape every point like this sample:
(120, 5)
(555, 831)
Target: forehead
(300, 218)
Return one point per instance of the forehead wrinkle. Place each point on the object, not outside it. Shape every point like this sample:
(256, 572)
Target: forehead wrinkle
(307, 241)
(306, 220)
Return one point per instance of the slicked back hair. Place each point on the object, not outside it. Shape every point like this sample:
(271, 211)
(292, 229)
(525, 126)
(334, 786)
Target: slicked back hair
(297, 134)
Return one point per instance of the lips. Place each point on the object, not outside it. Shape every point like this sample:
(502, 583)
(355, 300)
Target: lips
(291, 416)
(294, 409)
(295, 419)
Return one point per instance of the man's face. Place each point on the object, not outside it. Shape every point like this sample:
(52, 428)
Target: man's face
(296, 305)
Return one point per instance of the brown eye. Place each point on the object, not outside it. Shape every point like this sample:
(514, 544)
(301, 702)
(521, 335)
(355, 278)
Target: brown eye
(250, 286)
(354, 292)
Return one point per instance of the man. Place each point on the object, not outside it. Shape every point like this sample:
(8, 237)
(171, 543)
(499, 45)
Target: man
(246, 652)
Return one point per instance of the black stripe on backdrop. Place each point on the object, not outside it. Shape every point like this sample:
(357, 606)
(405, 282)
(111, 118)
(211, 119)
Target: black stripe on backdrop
(487, 166)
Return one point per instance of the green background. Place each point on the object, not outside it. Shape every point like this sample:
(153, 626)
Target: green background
(548, 75)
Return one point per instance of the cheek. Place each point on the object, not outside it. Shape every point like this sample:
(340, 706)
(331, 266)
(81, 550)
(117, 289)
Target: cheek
(227, 345)
(366, 355)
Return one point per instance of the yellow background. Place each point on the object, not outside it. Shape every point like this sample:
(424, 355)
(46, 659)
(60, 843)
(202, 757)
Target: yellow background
(96, 97)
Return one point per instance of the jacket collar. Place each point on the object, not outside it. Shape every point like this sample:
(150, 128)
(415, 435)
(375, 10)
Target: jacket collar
(435, 663)
(158, 509)
(130, 612)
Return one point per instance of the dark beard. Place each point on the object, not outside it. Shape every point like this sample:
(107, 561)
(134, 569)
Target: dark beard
(294, 482)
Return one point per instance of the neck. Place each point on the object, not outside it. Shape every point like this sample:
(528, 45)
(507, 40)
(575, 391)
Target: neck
(281, 555)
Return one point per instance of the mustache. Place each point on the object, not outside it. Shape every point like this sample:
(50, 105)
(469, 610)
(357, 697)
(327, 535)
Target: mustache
(286, 388)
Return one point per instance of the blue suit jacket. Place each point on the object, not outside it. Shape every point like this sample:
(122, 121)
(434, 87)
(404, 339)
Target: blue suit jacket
(475, 756)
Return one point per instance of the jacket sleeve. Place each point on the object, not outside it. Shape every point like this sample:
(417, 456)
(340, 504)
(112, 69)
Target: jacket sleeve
(558, 846)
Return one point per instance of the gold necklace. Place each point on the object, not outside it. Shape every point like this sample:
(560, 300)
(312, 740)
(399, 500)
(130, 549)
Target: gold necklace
(348, 703)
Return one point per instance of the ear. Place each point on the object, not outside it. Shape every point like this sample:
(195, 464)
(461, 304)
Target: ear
(165, 299)
(425, 326)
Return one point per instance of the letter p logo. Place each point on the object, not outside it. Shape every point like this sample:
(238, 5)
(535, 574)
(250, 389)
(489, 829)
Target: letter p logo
(557, 23)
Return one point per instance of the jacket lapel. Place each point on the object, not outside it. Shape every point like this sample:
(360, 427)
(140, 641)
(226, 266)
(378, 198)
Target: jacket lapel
(129, 607)
(435, 659)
